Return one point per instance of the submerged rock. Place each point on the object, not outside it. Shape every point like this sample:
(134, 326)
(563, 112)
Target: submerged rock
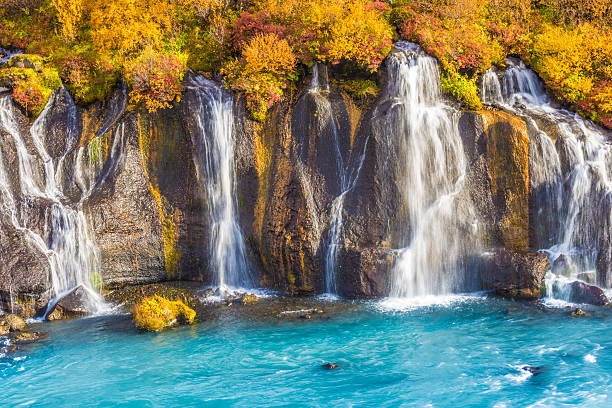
(330, 366)
(299, 314)
(534, 370)
(589, 294)
(579, 313)
(515, 274)
(248, 299)
(157, 313)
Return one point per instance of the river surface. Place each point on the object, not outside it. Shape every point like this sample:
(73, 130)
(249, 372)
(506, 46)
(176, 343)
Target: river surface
(445, 351)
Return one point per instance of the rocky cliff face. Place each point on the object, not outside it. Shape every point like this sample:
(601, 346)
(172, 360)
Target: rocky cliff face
(133, 175)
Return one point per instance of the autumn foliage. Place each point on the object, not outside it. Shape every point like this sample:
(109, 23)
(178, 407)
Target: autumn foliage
(155, 79)
(262, 47)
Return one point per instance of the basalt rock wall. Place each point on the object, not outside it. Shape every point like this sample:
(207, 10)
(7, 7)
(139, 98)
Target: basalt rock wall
(133, 174)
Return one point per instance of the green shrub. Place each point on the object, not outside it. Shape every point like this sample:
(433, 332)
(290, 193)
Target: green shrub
(360, 89)
(462, 88)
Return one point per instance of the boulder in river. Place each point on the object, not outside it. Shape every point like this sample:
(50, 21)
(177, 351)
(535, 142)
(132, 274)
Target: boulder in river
(157, 313)
(515, 274)
(589, 294)
(579, 313)
(71, 305)
(330, 366)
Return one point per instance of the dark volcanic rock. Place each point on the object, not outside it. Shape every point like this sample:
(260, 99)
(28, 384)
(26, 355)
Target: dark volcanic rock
(589, 294)
(74, 304)
(515, 274)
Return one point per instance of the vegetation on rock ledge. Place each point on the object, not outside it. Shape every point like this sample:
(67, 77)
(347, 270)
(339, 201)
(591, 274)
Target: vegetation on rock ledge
(262, 46)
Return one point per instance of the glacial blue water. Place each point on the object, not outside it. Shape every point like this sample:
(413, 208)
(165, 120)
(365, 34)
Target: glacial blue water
(466, 351)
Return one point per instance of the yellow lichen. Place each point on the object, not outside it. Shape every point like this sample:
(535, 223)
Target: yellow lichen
(263, 161)
(168, 221)
(508, 163)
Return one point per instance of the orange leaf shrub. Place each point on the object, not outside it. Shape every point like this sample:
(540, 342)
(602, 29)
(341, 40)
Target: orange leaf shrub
(155, 79)
(263, 73)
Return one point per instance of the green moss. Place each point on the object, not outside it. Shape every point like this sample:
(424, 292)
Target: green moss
(360, 89)
(96, 150)
(96, 281)
(32, 61)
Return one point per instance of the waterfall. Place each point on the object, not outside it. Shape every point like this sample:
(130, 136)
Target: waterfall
(431, 174)
(215, 169)
(491, 88)
(347, 173)
(570, 174)
(67, 242)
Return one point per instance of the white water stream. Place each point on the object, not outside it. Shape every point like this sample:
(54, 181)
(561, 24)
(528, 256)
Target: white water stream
(431, 174)
(66, 240)
(571, 179)
(215, 168)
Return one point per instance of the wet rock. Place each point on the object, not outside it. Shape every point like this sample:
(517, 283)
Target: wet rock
(73, 304)
(514, 274)
(563, 265)
(579, 313)
(299, 314)
(27, 337)
(330, 366)
(588, 277)
(589, 294)
(14, 322)
(4, 329)
(206, 293)
(507, 152)
(30, 61)
(534, 370)
(248, 299)
(56, 314)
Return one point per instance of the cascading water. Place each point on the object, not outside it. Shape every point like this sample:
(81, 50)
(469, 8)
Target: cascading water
(570, 174)
(67, 242)
(430, 176)
(214, 158)
(347, 177)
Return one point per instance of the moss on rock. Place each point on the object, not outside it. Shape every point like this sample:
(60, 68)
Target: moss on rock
(157, 313)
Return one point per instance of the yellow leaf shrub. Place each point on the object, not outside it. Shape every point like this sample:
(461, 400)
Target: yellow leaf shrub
(263, 73)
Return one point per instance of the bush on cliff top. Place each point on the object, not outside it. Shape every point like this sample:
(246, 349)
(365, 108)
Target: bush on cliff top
(32, 82)
(91, 43)
(157, 313)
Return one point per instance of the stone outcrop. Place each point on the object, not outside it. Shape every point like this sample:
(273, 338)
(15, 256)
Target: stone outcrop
(581, 292)
(515, 274)
(133, 175)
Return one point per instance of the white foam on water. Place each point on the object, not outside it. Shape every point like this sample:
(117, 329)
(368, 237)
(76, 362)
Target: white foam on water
(419, 302)
(590, 358)
(521, 375)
